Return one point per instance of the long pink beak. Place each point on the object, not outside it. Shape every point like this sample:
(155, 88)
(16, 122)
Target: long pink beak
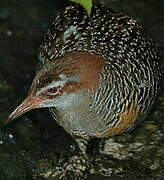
(28, 104)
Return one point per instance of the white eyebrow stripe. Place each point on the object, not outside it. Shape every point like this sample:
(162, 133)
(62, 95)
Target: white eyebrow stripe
(70, 78)
(52, 85)
(60, 83)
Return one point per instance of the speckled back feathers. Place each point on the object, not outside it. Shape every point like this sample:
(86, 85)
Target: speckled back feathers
(131, 75)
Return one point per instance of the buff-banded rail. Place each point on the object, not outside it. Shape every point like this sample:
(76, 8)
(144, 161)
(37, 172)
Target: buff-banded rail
(99, 75)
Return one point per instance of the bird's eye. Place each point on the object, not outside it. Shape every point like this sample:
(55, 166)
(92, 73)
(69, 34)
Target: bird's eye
(53, 91)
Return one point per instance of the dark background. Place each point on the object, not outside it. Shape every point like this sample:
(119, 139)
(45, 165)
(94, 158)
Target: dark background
(34, 147)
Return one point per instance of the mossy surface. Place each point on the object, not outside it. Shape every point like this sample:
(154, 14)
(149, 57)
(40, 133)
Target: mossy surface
(34, 147)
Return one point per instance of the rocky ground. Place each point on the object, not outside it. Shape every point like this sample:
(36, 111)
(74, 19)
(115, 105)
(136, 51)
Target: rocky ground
(34, 147)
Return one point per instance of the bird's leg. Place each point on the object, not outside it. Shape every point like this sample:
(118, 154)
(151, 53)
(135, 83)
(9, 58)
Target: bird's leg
(93, 147)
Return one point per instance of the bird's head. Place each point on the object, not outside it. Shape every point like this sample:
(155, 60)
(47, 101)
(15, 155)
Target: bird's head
(57, 83)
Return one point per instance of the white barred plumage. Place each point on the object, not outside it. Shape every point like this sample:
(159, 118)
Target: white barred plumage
(106, 70)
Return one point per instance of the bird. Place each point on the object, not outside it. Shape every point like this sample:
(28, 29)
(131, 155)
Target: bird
(99, 75)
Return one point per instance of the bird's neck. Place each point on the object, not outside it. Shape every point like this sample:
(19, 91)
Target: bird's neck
(74, 114)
